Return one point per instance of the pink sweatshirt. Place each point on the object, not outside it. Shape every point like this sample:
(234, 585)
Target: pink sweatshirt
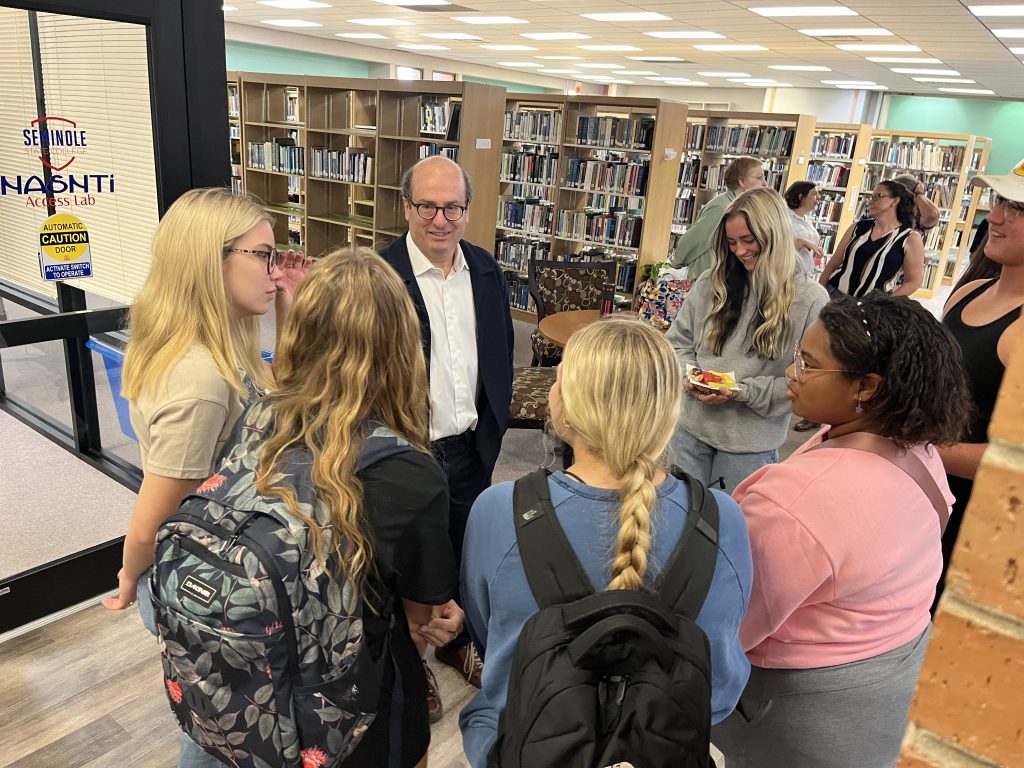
(846, 550)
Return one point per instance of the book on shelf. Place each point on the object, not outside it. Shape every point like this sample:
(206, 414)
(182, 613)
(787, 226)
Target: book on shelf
(434, 114)
(926, 155)
(833, 145)
(452, 131)
(544, 126)
(532, 167)
(625, 176)
(530, 216)
(291, 105)
(519, 291)
(280, 155)
(349, 164)
(828, 174)
(617, 132)
(763, 140)
(516, 253)
(232, 100)
(430, 149)
(695, 133)
(689, 171)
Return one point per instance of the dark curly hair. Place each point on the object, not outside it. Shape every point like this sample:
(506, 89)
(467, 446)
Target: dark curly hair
(923, 396)
(796, 193)
(906, 210)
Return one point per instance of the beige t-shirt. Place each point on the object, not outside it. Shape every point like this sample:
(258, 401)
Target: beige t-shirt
(182, 428)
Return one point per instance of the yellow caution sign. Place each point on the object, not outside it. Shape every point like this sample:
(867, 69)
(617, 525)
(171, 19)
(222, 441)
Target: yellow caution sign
(64, 248)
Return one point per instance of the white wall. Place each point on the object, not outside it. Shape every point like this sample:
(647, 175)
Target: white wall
(745, 99)
(830, 105)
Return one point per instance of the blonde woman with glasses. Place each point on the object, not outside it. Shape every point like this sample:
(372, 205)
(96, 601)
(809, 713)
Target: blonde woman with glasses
(615, 402)
(845, 537)
(742, 317)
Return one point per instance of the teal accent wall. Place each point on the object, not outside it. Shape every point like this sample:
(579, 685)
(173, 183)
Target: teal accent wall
(1001, 121)
(515, 87)
(249, 57)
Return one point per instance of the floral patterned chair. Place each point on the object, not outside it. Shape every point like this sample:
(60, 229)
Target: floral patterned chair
(560, 286)
(529, 407)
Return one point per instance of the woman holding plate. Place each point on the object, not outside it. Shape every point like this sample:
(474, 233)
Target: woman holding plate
(739, 323)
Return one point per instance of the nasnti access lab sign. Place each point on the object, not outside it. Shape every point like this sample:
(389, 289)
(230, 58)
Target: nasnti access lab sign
(64, 248)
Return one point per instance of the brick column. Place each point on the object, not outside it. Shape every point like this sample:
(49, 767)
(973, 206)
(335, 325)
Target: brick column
(969, 706)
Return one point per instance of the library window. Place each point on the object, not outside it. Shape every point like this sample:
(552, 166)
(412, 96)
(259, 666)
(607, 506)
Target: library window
(448, 77)
(408, 73)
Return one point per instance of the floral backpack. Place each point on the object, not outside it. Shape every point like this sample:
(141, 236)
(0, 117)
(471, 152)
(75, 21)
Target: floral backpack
(263, 650)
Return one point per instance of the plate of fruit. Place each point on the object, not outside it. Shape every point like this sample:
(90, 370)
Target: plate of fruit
(709, 381)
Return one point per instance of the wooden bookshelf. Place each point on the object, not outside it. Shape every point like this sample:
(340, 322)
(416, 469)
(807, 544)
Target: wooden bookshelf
(974, 201)
(328, 154)
(234, 131)
(714, 139)
(836, 164)
(944, 162)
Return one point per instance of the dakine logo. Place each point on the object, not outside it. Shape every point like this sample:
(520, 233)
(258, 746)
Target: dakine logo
(56, 137)
(198, 590)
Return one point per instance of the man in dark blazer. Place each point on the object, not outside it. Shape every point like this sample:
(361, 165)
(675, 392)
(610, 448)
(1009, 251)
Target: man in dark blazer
(462, 302)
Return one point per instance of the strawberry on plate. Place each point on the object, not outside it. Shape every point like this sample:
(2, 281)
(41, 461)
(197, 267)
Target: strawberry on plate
(710, 380)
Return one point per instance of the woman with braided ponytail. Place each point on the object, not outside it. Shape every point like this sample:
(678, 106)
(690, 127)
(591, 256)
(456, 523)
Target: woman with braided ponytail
(616, 402)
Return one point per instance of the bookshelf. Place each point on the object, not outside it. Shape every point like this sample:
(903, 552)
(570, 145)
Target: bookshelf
(328, 154)
(586, 178)
(973, 202)
(714, 139)
(836, 164)
(234, 131)
(945, 163)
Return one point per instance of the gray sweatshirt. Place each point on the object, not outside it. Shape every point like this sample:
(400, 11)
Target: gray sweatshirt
(758, 418)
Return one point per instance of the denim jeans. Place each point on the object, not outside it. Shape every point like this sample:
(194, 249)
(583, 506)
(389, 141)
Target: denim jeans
(708, 464)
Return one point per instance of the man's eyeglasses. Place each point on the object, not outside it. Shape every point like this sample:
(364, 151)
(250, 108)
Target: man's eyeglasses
(429, 211)
(800, 367)
(1011, 209)
(273, 257)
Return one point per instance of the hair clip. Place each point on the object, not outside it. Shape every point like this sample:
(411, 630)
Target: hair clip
(864, 318)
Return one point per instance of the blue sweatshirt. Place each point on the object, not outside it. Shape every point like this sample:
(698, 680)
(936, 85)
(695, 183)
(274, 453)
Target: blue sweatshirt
(498, 601)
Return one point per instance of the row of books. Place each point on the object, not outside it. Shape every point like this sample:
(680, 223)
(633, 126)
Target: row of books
(828, 174)
(519, 291)
(712, 177)
(235, 131)
(276, 156)
(341, 165)
(440, 117)
(836, 145)
(921, 154)
(626, 177)
(517, 254)
(530, 216)
(291, 105)
(605, 200)
(523, 190)
(538, 169)
(430, 149)
(695, 135)
(761, 140)
(233, 103)
(829, 207)
(689, 171)
(683, 210)
(628, 133)
(608, 227)
(534, 125)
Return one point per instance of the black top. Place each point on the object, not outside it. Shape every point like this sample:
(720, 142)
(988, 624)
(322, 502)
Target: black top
(871, 264)
(406, 504)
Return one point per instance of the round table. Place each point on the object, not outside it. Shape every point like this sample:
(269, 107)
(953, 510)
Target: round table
(557, 328)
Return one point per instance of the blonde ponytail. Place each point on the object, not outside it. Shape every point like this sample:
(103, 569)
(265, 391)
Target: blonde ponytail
(634, 540)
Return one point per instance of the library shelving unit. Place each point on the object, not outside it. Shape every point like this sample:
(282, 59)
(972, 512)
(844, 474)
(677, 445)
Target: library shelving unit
(836, 163)
(974, 201)
(328, 154)
(604, 192)
(234, 131)
(714, 139)
(944, 162)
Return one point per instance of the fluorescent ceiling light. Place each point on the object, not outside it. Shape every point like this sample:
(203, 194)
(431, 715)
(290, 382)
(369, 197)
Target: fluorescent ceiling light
(686, 83)
(609, 48)
(912, 71)
(636, 72)
(414, 2)
(518, 64)
(599, 77)
(560, 71)
(903, 60)
(601, 66)
(798, 68)
(724, 74)
(293, 5)
(627, 16)
(810, 10)
(450, 36)
(620, 82)
(676, 78)
(853, 32)
(1018, 51)
(686, 34)
(950, 80)
(389, 22)
(361, 35)
(422, 47)
(849, 82)
(290, 23)
(499, 47)
(863, 87)
(561, 58)
(228, 8)
(769, 85)
(555, 36)
(879, 47)
(1009, 34)
(724, 48)
(655, 58)
(489, 20)
(982, 11)
(980, 91)
(752, 80)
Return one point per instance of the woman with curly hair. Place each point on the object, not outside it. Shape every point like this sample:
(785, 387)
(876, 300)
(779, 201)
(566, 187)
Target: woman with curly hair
(742, 316)
(881, 252)
(846, 541)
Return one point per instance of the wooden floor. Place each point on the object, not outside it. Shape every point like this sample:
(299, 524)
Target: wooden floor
(86, 692)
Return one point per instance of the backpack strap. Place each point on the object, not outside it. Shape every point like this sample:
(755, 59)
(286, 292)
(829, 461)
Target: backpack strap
(685, 582)
(552, 569)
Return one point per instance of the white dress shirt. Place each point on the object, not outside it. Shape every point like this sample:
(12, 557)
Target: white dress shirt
(454, 368)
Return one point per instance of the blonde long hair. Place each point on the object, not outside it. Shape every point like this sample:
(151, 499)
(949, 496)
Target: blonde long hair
(183, 301)
(771, 284)
(619, 387)
(350, 351)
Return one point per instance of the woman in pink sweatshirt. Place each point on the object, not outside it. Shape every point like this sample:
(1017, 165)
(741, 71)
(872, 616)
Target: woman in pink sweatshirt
(845, 536)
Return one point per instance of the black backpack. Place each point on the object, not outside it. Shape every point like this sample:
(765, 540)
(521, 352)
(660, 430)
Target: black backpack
(615, 678)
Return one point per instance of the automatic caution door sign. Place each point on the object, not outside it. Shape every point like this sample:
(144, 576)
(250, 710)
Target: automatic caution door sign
(64, 248)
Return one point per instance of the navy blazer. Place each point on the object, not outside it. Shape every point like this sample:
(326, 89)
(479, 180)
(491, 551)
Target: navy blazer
(495, 339)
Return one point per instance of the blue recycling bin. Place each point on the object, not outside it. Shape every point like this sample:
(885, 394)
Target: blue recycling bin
(113, 358)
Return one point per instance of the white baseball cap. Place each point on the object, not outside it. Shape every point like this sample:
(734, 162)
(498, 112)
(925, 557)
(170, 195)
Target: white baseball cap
(1010, 186)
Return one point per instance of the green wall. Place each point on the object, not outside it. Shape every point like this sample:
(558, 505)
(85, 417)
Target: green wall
(249, 57)
(1001, 121)
(514, 87)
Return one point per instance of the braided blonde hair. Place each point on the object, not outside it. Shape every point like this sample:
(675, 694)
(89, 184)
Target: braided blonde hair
(619, 388)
